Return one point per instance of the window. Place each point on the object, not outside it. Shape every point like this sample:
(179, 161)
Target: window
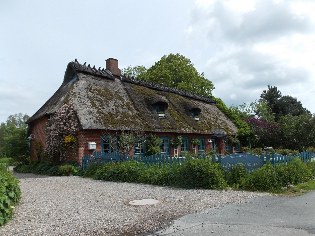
(195, 112)
(160, 108)
(228, 147)
(109, 144)
(139, 148)
(106, 148)
(185, 145)
(201, 145)
(165, 146)
(213, 145)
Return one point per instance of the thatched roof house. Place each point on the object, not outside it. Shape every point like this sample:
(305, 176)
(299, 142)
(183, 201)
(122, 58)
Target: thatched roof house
(104, 102)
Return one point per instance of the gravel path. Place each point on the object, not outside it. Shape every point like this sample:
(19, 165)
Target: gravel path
(79, 206)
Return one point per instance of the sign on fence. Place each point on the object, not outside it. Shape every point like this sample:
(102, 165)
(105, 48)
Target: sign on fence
(250, 161)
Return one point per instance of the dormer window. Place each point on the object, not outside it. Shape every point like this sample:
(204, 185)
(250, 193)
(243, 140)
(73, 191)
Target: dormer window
(195, 112)
(160, 108)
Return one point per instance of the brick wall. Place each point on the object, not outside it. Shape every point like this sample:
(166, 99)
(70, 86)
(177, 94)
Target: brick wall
(37, 130)
(95, 136)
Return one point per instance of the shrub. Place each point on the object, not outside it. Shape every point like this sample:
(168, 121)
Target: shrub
(165, 175)
(7, 160)
(263, 179)
(23, 168)
(286, 151)
(53, 171)
(201, 173)
(257, 151)
(311, 167)
(298, 171)
(92, 169)
(44, 168)
(129, 171)
(237, 176)
(41, 168)
(68, 169)
(10, 194)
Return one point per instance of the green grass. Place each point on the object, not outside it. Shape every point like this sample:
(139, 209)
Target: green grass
(300, 188)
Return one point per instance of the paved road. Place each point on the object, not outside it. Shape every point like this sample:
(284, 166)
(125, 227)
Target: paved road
(262, 216)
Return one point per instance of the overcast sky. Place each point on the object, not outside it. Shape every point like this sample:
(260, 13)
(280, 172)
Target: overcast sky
(241, 46)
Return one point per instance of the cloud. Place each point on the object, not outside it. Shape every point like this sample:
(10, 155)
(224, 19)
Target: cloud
(250, 46)
(265, 20)
(253, 70)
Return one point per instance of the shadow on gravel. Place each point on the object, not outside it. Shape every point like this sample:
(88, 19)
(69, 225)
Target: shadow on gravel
(25, 175)
(28, 175)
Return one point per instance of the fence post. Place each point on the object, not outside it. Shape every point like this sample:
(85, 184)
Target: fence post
(273, 156)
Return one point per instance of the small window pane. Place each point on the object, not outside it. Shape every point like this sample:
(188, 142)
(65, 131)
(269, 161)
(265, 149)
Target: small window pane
(185, 145)
(165, 146)
(201, 146)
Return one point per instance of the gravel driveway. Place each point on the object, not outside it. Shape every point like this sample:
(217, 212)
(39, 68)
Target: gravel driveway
(79, 206)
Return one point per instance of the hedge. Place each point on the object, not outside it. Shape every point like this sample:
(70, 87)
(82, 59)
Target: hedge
(10, 194)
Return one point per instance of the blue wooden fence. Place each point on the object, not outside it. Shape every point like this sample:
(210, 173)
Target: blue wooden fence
(250, 161)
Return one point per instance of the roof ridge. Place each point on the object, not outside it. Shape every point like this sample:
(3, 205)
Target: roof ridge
(91, 70)
(105, 73)
(164, 88)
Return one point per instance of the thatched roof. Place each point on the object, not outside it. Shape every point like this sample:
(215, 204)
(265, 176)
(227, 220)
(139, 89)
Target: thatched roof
(103, 101)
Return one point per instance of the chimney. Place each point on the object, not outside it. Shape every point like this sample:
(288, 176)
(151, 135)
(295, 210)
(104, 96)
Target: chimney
(112, 66)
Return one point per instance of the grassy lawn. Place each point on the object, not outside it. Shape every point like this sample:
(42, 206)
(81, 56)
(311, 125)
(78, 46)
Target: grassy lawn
(300, 188)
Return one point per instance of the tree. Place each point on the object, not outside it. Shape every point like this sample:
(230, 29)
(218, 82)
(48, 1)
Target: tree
(281, 105)
(176, 71)
(13, 136)
(263, 133)
(297, 132)
(263, 111)
(288, 105)
(271, 97)
(237, 117)
(136, 71)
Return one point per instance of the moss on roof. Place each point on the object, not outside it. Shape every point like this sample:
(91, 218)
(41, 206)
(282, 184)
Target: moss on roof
(117, 104)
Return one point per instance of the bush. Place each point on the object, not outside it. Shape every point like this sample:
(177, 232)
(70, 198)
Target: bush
(129, 171)
(92, 169)
(237, 176)
(294, 172)
(298, 171)
(7, 160)
(10, 194)
(68, 169)
(165, 175)
(201, 173)
(53, 171)
(194, 173)
(311, 167)
(286, 151)
(263, 179)
(43, 168)
(23, 168)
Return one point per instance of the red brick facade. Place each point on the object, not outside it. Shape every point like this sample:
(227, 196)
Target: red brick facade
(38, 131)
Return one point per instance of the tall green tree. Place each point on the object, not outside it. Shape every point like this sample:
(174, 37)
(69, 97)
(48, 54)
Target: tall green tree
(13, 140)
(281, 105)
(287, 105)
(177, 71)
(271, 97)
(297, 132)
